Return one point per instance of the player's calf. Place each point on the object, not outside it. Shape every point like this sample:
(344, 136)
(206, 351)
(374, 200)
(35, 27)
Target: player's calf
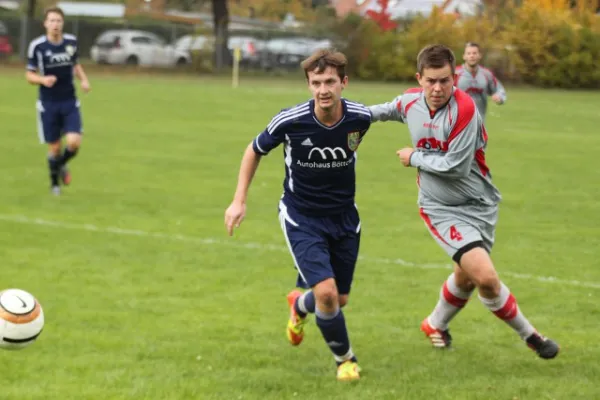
(331, 321)
(73, 143)
(54, 166)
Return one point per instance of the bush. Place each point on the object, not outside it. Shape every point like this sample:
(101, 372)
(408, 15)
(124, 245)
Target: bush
(544, 46)
(555, 48)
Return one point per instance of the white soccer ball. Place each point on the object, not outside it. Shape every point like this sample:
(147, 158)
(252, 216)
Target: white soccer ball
(21, 319)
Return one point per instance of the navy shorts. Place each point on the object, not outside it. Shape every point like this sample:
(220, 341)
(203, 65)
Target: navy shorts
(55, 118)
(322, 247)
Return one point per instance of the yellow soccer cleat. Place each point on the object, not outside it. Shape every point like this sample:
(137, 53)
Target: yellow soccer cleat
(295, 325)
(348, 371)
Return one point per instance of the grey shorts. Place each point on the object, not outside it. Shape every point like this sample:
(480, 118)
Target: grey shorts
(454, 227)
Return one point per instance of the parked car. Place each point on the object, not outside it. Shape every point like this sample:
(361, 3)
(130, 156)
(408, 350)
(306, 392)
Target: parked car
(250, 47)
(287, 53)
(6, 48)
(136, 47)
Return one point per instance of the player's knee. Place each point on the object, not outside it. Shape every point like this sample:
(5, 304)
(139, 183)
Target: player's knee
(462, 280)
(326, 294)
(343, 299)
(54, 148)
(73, 141)
(489, 284)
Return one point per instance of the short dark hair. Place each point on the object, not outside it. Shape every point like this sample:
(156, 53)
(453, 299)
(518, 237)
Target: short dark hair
(321, 59)
(435, 56)
(473, 44)
(55, 10)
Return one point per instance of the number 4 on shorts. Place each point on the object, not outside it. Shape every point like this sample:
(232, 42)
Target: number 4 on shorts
(454, 234)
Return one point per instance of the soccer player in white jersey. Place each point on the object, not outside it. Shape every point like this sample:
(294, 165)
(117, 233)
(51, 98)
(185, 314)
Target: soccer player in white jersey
(457, 199)
(478, 81)
(53, 61)
(317, 211)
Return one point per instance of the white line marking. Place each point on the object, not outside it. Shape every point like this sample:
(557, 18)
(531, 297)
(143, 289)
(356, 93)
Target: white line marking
(271, 247)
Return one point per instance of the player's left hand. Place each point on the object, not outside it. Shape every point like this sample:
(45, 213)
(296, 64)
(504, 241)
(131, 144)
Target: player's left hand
(497, 99)
(404, 155)
(85, 86)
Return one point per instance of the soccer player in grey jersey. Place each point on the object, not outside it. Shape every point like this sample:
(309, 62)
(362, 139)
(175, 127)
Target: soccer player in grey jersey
(478, 81)
(317, 212)
(457, 199)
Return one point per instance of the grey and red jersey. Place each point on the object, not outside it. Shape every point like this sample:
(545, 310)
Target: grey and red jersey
(479, 86)
(449, 148)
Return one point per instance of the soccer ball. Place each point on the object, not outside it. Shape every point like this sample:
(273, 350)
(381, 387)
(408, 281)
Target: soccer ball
(21, 319)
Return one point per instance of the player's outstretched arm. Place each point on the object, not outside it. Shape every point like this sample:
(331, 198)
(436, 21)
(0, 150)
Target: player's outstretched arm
(387, 111)
(456, 161)
(235, 213)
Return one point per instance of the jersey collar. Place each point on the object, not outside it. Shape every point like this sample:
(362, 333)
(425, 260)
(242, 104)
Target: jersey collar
(344, 111)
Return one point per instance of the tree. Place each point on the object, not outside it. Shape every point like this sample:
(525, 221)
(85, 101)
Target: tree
(383, 17)
(276, 10)
(26, 28)
(221, 31)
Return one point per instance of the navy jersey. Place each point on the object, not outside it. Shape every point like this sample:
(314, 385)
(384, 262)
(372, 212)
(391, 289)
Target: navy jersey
(54, 59)
(319, 160)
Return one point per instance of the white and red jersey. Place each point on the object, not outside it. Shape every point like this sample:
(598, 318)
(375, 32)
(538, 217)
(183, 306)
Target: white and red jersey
(449, 148)
(479, 85)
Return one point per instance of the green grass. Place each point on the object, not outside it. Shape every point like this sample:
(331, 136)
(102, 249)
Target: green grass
(147, 298)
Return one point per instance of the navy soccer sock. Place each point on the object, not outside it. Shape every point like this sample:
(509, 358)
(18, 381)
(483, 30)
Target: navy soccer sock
(67, 155)
(305, 304)
(333, 329)
(54, 167)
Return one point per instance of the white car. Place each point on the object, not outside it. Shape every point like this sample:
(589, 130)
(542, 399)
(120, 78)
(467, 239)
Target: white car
(137, 48)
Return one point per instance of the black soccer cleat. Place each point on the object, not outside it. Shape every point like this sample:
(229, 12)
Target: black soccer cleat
(544, 347)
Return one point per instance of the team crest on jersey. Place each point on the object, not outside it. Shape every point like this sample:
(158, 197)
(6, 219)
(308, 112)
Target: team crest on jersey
(70, 49)
(353, 140)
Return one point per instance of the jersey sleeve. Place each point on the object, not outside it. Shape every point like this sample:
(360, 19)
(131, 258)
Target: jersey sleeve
(75, 56)
(270, 138)
(462, 142)
(31, 57)
(391, 111)
(495, 86)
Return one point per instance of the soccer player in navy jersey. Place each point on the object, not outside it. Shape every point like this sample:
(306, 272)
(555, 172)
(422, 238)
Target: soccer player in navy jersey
(317, 212)
(52, 63)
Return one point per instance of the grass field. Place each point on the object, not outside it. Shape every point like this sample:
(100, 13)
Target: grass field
(147, 298)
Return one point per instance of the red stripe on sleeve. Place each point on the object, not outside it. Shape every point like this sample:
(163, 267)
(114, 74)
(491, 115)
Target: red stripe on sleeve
(409, 105)
(465, 111)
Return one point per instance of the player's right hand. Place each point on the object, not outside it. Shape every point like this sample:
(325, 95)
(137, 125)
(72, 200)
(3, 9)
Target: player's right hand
(49, 81)
(234, 215)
